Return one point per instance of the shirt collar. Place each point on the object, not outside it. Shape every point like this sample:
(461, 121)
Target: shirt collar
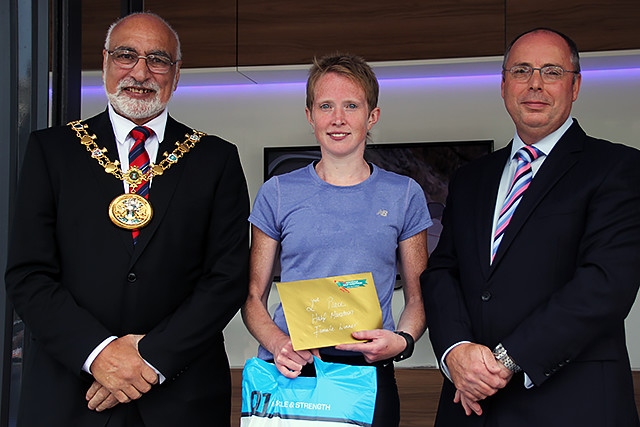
(547, 143)
(122, 126)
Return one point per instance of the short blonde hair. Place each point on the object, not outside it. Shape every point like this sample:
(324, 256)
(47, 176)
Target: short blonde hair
(353, 67)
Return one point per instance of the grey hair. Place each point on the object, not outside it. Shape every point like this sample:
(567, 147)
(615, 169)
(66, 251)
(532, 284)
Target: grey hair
(107, 40)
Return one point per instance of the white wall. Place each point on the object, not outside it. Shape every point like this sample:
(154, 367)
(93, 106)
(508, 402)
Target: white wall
(417, 109)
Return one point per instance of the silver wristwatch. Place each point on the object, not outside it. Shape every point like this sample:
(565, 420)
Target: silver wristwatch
(500, 354)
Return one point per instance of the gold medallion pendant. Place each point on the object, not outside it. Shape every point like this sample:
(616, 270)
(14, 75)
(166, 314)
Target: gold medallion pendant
(130, 211)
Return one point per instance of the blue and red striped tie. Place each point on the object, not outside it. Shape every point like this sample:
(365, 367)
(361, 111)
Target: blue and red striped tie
(139, 158)
(519, 185)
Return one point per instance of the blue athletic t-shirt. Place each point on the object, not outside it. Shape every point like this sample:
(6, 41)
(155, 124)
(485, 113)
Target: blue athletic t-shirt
(326, 230)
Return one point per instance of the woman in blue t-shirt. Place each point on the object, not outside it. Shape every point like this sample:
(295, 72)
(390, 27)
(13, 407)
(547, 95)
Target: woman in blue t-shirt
(341, 215)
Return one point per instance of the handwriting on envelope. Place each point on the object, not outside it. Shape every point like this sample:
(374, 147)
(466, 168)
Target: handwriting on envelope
(324, 312)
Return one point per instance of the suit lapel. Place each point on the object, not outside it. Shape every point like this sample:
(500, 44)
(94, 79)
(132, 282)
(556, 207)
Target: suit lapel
(100, 125)
(488, 204)
(561, 159)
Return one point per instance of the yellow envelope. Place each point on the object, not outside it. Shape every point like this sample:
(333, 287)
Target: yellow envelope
(324, 312)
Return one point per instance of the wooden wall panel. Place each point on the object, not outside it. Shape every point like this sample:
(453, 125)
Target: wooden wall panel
(636, 389)
(292, 32)
(97, 15)
(594, 25)
(419, 391)
(226, 33)
(207, 30)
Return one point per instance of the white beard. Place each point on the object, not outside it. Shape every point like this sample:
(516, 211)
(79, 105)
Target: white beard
(136, 108)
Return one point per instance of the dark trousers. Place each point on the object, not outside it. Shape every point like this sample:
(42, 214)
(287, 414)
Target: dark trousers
(125, 415)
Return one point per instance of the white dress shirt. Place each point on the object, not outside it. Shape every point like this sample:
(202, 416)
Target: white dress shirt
(122, 129)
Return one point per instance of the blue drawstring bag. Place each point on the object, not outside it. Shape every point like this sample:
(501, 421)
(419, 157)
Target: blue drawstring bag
(339, 395)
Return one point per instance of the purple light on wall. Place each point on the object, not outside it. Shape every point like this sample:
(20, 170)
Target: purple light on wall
(600, 76)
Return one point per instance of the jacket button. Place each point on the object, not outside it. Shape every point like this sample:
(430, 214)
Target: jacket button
(486, 296)
(131, 277)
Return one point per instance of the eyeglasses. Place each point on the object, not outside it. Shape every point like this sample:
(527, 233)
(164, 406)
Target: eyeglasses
(128, 59)
(549, 73)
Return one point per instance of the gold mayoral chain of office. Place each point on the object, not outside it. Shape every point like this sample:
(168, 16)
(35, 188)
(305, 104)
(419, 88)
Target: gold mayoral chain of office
(130, 210)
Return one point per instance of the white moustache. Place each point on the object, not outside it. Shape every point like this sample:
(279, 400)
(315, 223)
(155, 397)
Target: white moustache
(130, 82)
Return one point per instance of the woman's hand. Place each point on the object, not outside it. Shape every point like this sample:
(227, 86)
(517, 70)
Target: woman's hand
(380, 344)
(288, 361)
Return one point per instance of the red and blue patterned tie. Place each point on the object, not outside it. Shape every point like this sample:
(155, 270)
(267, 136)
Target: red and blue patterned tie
(519, 185)
(139, 158)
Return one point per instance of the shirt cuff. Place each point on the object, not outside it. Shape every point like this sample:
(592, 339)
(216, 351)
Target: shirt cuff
(161, 378)
(443, 365)
(92, 356)
(527, 382)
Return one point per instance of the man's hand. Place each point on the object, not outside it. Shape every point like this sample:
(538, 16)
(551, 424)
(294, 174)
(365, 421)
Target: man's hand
(120, 369)
(476, 374)
(469, 406)
(100, 398)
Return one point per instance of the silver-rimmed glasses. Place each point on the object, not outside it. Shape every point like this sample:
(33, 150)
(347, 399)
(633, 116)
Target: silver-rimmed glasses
(128, 59)
(549, 73)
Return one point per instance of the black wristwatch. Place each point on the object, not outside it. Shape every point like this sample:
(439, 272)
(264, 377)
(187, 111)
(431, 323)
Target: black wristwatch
(408, 351)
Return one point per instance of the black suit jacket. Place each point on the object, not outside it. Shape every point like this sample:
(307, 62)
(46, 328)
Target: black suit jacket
(75, 278)
(556, 296)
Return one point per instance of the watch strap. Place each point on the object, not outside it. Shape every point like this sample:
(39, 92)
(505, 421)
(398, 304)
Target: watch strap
(501, 355)
(408, 350)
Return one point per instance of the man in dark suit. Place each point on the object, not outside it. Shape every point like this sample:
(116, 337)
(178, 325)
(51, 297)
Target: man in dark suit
(127, 273)
(527, 318)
